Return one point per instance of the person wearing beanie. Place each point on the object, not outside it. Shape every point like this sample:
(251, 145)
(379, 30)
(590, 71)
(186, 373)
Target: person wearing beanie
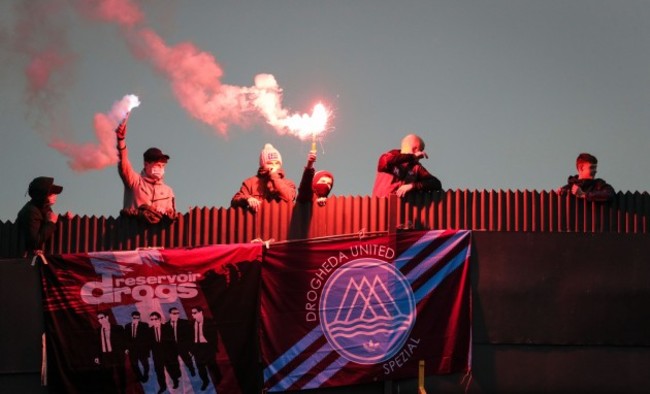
(269, 184)
(36, 221)
(314, 185)
(399, 170)
(145, 191)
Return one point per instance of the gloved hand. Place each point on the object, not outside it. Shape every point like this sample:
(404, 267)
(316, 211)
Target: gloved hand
(120, 131)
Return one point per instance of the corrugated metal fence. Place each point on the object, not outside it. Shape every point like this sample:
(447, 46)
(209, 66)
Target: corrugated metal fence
(530, 211)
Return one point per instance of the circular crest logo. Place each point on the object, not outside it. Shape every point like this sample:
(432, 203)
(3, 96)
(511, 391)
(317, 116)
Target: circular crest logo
(367, 310)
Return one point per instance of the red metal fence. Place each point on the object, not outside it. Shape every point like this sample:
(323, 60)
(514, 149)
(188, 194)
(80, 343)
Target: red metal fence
(528, 211)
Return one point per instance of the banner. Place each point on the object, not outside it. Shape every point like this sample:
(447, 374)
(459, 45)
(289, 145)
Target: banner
(363, 310)
(147, 321)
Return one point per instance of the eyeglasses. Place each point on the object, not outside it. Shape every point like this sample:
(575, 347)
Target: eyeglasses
(135, 317)
(101, 317)
(154, 318)
(195, 312)
(176, 313)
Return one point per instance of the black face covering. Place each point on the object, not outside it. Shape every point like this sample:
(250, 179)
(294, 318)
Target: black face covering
(321, 189)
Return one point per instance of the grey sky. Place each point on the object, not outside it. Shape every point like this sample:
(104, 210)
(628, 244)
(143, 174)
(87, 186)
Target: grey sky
(504, 93)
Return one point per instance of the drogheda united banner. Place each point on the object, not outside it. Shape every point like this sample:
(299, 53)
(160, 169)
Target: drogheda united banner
(146, 321)
(357, 311)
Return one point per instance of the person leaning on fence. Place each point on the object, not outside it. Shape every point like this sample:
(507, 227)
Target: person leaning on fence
(145, 194)
(585, 184)
(314, 185)
(399, 170)
(36, 221)
(269, 184)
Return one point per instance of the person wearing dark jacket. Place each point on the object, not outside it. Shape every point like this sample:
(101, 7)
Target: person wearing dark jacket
(205, 348)
(181, 330)
(585, 184)
(110, 354)
(314, 185)
(269, 184)
(137, 337)
(163, 352)
(399, 170)
(36, 221)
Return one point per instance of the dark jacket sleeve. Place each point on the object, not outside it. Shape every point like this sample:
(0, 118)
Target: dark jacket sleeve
(393, 158)
(305, 192)
(425, 181)
(601, 192)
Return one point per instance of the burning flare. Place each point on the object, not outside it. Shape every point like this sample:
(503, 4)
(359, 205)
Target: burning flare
(91, 156)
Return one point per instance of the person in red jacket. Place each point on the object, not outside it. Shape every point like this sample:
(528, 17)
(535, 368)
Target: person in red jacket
(585, 184)
(399, 170)
(269, 184)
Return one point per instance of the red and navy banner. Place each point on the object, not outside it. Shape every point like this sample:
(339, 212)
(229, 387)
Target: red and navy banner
(358, 311)
(147, 321)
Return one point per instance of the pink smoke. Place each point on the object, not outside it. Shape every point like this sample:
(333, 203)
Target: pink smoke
(95, 156)
(38, 38)
(194, 76)
(123, 12)
(42, 69)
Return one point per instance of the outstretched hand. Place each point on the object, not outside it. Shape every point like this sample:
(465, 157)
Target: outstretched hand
(120, 131)
(311, 158)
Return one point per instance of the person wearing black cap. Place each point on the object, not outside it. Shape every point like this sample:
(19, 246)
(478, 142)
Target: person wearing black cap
(314, 185)
(36, 221)
(147, 190)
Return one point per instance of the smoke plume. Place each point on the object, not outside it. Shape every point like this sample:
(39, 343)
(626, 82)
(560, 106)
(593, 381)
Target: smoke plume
(194, 77)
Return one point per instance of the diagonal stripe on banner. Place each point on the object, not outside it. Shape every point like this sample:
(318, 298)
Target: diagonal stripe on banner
(303, 368)
(436, 256)
(435, 280)
(416, 248)
(324, 376)
(292, 352)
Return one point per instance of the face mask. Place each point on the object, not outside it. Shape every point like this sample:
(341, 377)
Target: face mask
(321, 190)
(157, 172)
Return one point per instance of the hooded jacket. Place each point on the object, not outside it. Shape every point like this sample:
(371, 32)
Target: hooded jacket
(139, 189)
(265, 187)
(33, 221)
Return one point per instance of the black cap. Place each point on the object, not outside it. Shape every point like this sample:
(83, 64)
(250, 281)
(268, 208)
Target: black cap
(154, 154)
(42, 187)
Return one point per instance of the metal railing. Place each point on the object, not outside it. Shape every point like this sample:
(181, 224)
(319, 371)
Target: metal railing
(481, 210)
